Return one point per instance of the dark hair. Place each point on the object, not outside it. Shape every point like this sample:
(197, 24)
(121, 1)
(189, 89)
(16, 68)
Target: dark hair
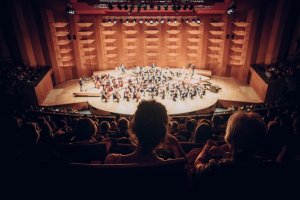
(149, 125)
(245, 131)
(85, 129)
(203, 133)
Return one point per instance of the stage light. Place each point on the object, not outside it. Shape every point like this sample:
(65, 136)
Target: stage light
(169, 21)
(151, 6)
(146, 21)
(127, 20)
(187, 20)
(198, 21)
(110, 6)
(139, 7)
(134, 21)
(151, 21)
(185, 6)
(119, 6)
(231, 8)
(162, 21)
(126, 7)
(141, 21)
(166, 6)
(178, 7)
(193, 20)
(192, 7)
(109, 21)
(156, 21)
(175, 20)
(173, 7)
(115, 20)
(69, 8)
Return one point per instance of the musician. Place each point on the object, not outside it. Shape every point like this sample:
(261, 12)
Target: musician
(116, 96)
(81, 84)
(127, 94)
(137, 95)
(105, 95)
(97, 82)
(122, 68)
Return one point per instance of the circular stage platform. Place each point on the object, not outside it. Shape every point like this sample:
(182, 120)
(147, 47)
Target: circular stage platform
(179, 106)
(68, 93)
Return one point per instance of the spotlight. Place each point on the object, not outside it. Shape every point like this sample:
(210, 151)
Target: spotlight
(151, 6)
(185, 6)
(162, 21)
(151, 21)
(231, 8)
(193, 20)
(126, 7)
(175, 20)
(166, 6)
(141, 21)
(173, 7)
(115, 20)
(191, 7)
(198, 21)
(178, 7)
(158, 6)
(109, 21)
(156, 21)
(110, 6)
(127, 20)
(119, 6)
(131, 7)
(146, 21)
(169, 21)
(69, 9)
(134, 21)
(187, 20)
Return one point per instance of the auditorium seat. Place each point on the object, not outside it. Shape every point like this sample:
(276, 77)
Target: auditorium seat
(83, 153)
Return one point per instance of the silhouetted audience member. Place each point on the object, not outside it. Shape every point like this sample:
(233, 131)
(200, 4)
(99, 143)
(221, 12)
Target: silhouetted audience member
(149, 129)
(84, 132)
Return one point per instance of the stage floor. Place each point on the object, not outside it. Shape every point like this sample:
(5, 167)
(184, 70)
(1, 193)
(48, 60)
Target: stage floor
(232, 90)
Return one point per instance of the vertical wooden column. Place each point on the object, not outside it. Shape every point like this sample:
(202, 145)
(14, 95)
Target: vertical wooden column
(23, 35)
(252, 19)
(98, 43)
(48, 20)
(163, 44)
(119, 42)
(224, 71)
(76, 46)
(203, 63)
(276, 32)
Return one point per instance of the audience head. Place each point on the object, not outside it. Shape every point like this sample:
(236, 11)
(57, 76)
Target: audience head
(190, 124)
(123, 124)
(29, 134)
(245, 132)
(202, 133)
(149, 125)
(85, 128)
(104, 126)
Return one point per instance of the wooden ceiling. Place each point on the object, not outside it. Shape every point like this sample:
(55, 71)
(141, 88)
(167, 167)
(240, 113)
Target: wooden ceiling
(87, 7)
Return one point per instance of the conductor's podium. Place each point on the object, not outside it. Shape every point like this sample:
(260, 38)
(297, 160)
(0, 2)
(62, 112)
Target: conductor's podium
(86, 94)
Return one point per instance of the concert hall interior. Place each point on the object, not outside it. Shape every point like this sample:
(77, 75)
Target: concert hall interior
(186, 94)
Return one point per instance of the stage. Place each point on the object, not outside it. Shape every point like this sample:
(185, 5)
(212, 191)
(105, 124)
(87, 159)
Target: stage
(231, 90)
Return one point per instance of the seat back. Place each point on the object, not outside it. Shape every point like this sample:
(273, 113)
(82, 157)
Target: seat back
(83, 153)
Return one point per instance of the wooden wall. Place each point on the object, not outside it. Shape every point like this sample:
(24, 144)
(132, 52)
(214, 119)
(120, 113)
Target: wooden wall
(77, 45)
(83, 44)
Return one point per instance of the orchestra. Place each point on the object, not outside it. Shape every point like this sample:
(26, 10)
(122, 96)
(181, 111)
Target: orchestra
(149, 82)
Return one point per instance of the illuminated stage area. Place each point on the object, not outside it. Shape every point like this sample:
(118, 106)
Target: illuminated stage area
(231, 90)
